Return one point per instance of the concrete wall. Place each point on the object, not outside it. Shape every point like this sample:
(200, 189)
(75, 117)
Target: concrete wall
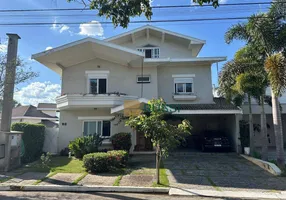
(168, 49)
(202, 82)
(121, 78)
(258, 136)
(74, 127)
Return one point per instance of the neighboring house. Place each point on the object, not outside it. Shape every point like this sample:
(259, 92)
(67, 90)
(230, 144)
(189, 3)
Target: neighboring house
(49, 109)
(99, 77)
(31, 114)
(256, 110)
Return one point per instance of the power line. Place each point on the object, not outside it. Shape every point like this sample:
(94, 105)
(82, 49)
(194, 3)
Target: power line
(154, 7)
(132, 22)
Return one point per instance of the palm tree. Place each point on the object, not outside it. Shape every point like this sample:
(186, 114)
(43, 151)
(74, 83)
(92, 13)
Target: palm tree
(275, 65)
(266, 32)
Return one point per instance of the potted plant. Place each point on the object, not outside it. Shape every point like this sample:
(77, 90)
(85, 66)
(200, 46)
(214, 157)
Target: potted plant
(244, 137)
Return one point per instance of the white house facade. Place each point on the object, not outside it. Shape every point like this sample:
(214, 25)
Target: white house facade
(100, 76)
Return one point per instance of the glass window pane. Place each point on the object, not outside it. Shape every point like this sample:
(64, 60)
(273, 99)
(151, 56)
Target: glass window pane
(106, 129)
(93, 86)
(89, 128)
(102, 86)
(99, 127)
(189, 87)
(179, 87)
(148, 53)
(85, 129)
(156, 53)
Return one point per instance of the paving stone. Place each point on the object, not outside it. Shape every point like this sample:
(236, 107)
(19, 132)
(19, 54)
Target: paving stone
(106, 180)
(26, 179)
(137, 180)
(221, 170)
(61, 179)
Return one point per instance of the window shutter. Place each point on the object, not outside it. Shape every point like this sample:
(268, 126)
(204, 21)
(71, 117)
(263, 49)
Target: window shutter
(102, 86)
(183, 80)
(106, 129)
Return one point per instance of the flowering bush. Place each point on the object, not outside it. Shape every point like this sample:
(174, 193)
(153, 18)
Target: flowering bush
(105, 162)
(121, 141)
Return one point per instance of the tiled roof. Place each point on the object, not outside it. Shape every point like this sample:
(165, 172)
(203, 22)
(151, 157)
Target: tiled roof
(29, 111)
(47, 105)
(219, 104)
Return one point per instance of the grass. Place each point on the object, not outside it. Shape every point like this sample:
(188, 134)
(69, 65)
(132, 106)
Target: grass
(164, 181)
(213, 184)
(59, 164)
(117, 181)
(45, 178)
(79, 178)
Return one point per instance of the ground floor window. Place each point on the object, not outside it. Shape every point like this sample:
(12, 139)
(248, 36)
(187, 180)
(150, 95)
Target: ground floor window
(97, 127)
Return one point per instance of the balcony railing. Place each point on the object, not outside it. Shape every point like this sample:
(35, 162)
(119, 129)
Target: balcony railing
(82, 100)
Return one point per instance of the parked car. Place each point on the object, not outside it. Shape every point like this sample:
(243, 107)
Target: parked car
(215, 140)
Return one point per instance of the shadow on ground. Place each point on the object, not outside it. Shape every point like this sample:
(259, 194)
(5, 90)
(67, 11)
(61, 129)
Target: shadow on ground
(197, 170)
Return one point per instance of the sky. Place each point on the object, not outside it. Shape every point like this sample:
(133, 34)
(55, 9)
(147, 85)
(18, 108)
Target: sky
(34, 39)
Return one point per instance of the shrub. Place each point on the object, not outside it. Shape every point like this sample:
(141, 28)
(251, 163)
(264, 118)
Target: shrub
(85, 145)
(33, 140)
(105, 162)
(121, 141)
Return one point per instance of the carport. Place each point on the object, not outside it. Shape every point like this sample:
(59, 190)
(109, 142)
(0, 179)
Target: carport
(220, 116)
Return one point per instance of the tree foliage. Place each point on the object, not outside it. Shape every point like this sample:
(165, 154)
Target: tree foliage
(23, 72)
(120, 12)
(275, 65)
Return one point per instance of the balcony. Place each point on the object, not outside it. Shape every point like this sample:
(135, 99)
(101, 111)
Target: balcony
(69, 101)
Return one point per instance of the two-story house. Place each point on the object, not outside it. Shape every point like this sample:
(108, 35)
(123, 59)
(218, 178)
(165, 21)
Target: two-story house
(100, 76)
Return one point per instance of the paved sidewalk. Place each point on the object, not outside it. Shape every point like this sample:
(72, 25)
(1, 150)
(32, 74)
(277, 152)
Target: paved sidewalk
(219, 172)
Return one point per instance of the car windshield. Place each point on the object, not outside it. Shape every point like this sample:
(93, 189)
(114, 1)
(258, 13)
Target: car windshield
(213, 134)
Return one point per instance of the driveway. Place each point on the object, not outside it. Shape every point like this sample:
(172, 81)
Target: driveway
(219, 171)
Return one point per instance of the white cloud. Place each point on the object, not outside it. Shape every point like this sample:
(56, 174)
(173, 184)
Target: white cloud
(59, 27)
(49, 48)
(93, 28)
(64, 28)
(38, 92)
(3, 47)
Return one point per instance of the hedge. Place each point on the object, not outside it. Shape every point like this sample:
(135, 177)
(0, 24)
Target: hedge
(121, 141)
(105, 162)
(33, 140)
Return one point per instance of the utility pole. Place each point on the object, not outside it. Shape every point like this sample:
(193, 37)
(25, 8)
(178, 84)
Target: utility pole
(9, 83)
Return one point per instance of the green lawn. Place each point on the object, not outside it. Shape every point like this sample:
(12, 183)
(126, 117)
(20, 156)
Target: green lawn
(58, 164)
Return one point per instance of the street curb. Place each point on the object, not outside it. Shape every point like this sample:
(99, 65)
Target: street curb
(228, 194)
(270, 167)
(77, 188)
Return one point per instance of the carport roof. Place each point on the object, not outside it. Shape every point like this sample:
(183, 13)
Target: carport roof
(219, 104)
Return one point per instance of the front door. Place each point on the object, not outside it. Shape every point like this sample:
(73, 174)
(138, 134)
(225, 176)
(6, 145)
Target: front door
(143, 143)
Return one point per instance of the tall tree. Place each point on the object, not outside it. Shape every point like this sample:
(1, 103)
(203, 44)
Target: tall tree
(241, 78)
(121, 11)
(163, 135)
(23, 72)
(266, 32)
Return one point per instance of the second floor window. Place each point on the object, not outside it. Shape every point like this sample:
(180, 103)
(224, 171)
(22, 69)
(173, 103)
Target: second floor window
(183, 85)
(97, 86)
(150, 52)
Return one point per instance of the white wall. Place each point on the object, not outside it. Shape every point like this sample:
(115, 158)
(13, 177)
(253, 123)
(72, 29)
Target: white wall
(202, 82)
(168, 49)
(121, 78)
(74, 127)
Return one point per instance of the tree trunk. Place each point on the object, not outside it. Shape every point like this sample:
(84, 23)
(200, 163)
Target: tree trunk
(277, 123)
(264, 151)
(250, 120)
(158, 162)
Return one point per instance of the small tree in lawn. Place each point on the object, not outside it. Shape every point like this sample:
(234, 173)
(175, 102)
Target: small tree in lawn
(164, 135)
